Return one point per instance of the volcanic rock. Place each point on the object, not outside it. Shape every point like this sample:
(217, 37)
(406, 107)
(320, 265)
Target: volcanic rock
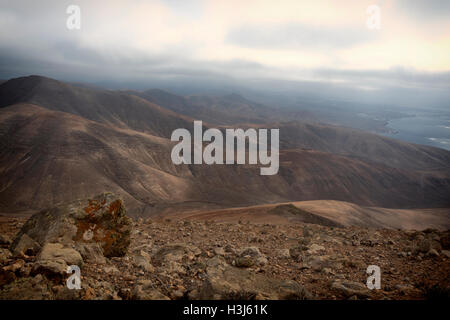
(99, 220)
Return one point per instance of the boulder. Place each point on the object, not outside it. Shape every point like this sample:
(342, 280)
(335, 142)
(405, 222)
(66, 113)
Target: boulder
(26, 246)
(54, 259)
(227, 282)
(99, 220)
(91, 252)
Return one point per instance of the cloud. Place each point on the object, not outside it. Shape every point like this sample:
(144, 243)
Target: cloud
(139, 42)
(428, 10)
(395, 75)
(298, 36)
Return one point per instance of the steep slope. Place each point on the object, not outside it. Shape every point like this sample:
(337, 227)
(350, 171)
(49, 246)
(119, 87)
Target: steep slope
(126, 110)
(83, 141)
(47, 157)
(234, 109)
(110, 107)
(362, 145)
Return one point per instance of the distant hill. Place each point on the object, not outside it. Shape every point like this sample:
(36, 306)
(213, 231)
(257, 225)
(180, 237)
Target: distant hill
(110, 107)
(60, 142)
(222, 110)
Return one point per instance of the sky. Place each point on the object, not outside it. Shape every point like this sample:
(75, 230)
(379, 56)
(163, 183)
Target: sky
(137, 41)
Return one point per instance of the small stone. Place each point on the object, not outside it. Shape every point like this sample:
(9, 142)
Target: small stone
(446, 253)
(4, 240)
(315, 248)
(144, 290)
(245, 262)
(219, 251)
(433, 253)
(111, 270)
(350, 288)
(282, 253)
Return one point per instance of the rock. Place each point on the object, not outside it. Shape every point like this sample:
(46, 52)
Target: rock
(172, 267)
(6, 276)
(315, 263)
(125, 293)
(216, 262)
(61, 292)
(219, 251)
(446, 253)
(426, 245)
(261, 261)
(234, 283)
(175, 253)
(26, 246)
(250, 256)
(245, 262)
(433, 253)
(144, 290)
(230, 249)
(350, 288)
(37, 288)
(282, 253)
(445, 241)
(368, 242)
(111, 270)
(54, 259)
(142, 260)
(315, 248)
(5, 255)
(296, 252)
(177, 294)
(17, 265)
(250, 251)
(100, 220)
(355, 242)
(91, 252)
(404, 287)
(104, 290)
(4, 240)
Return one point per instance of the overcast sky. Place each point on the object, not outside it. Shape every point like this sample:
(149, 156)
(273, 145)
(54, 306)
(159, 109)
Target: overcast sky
(137, 40)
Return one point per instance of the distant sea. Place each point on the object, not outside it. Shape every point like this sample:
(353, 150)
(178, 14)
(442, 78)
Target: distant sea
(430, 128)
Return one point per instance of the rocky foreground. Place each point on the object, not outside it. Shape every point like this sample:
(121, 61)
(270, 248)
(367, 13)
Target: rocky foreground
(169, 259)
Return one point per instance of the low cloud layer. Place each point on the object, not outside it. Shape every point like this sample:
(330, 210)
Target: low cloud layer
(299, 37)
(142, 43)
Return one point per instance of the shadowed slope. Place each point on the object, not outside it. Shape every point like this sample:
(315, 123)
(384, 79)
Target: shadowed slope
(110, 107)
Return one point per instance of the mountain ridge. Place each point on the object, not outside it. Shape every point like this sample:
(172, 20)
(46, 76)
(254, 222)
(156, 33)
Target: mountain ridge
(50, 156)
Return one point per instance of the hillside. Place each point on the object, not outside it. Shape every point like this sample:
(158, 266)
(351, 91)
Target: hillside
(326, 213)
(69, 142)
(109, 107)
(196, 259)
(223, 110)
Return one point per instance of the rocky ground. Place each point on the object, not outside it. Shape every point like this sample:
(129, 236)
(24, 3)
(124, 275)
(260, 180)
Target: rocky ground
(170, 259)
